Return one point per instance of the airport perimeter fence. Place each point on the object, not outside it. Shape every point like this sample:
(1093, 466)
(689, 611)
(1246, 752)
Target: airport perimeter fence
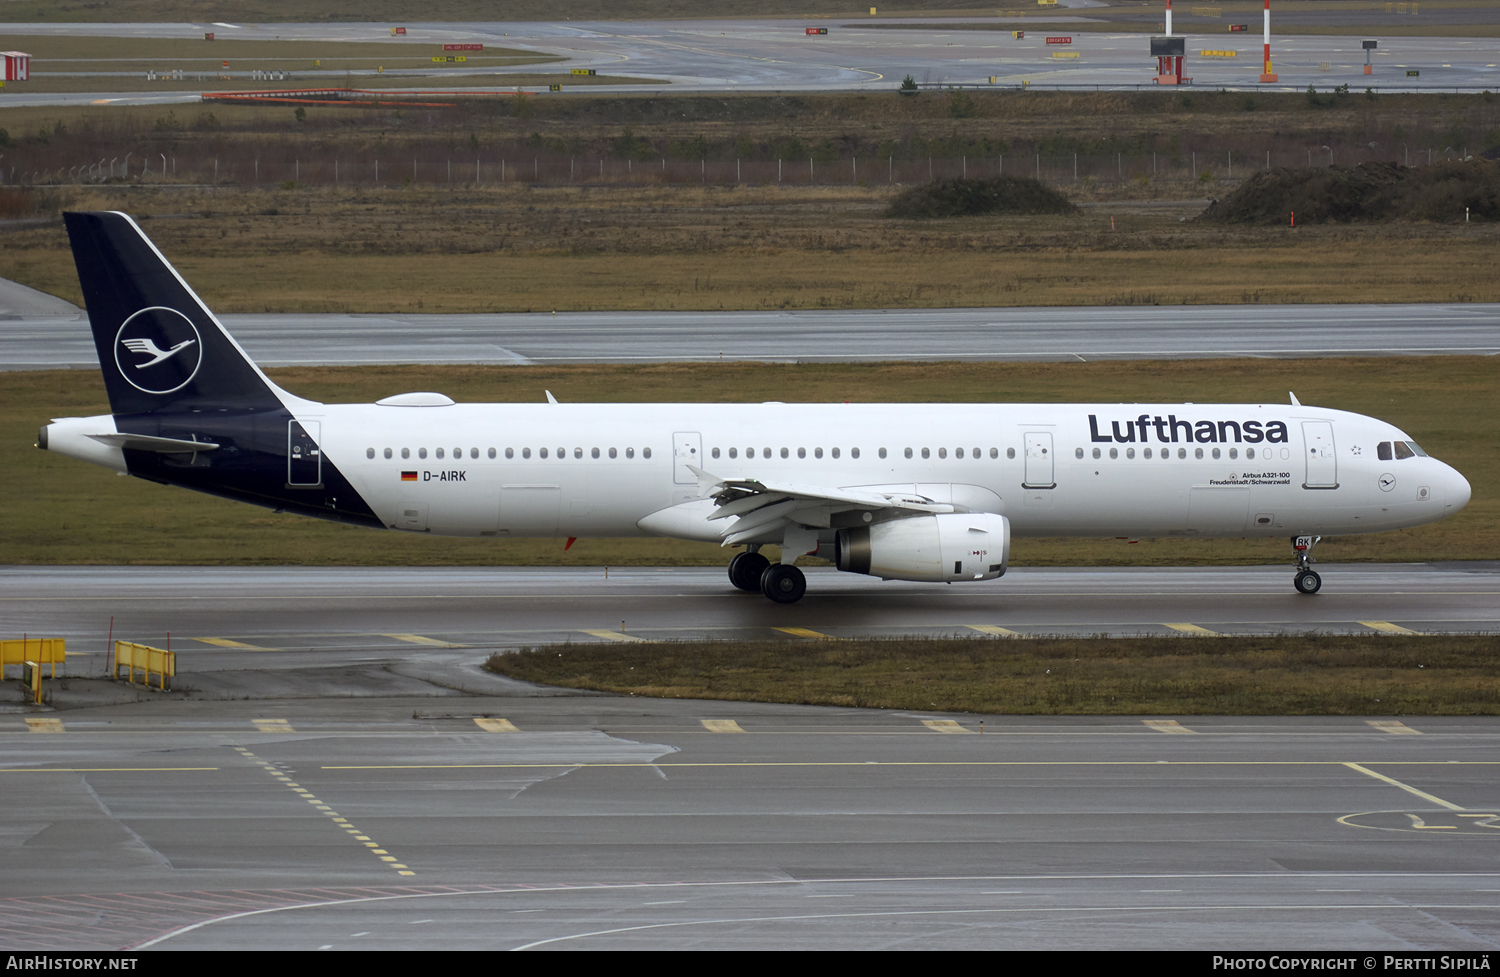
(286, 170)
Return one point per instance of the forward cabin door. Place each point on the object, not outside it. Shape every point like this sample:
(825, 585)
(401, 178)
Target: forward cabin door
(1039, 461)
(1322, 461)
(687, 449)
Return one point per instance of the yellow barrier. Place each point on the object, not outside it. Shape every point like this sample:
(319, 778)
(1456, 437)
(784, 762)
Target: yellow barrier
(150, 661)
(43, 651)
(1219, 54)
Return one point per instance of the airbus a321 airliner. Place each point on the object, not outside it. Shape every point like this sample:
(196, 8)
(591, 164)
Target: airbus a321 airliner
(930, 492)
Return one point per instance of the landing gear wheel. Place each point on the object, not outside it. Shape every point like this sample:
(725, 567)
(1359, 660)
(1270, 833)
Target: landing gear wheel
(783, 583)
(1308, 582)
(745, 570)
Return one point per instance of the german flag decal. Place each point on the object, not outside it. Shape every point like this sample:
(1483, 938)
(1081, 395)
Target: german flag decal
(408, 476)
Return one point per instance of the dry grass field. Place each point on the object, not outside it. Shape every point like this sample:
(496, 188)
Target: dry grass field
(1341, 675)
(517, 248)
(70, 512)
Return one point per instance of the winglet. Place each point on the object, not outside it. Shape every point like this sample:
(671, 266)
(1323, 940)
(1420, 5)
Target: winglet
(1295, 401)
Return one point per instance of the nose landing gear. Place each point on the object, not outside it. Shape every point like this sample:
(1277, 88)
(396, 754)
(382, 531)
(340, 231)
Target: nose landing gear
(1306, 581)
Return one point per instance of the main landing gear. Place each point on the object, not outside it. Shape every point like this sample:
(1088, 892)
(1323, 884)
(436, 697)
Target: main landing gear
(781, 582)
(1306, 581)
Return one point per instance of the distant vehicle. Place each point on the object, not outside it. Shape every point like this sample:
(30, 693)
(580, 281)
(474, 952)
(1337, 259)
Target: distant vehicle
(931, 492)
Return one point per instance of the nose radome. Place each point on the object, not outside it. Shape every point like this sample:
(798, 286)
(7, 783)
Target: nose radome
(1458, 491)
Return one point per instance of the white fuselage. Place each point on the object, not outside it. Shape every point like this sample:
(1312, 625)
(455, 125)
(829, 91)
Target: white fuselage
(592, 470)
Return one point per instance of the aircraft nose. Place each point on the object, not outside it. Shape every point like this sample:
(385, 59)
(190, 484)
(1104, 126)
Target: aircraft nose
(1458, 491)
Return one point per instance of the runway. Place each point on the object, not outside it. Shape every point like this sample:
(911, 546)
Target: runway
(35, 342)
(600, 822)
(336, 772)
(856, 55)
(230, 618)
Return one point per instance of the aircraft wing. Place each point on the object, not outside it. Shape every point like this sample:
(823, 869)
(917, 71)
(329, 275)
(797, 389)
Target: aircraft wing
(758, 507)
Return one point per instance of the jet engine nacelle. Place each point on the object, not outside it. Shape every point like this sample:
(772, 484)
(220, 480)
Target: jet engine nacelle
(946, 547)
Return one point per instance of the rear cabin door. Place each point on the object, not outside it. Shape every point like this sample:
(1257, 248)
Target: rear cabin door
(304, 460)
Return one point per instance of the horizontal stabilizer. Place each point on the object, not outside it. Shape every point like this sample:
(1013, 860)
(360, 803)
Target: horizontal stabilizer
(145, 442)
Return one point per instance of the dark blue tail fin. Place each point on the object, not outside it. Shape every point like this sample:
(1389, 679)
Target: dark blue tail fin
(159, 345)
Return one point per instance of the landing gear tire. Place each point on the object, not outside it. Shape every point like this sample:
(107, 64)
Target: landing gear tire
(1307, 582)
(783, 583)
(745, 570)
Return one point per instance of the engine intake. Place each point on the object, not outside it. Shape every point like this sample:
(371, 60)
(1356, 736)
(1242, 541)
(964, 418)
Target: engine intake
(936, 548)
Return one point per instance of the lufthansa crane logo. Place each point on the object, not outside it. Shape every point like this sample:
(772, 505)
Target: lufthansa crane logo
(158, 350)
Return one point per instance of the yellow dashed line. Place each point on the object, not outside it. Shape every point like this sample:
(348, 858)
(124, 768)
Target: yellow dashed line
(806, 633)
(418, 639)
(230, 643)
(722, 726)
(944, 726)
(1168, 726)
(44, 725)
(1388, 627)
(496, 725)
(322, 808)
(1193, 629)
(992, 629)
(613, 635)
(273, 725)
(1391, 726)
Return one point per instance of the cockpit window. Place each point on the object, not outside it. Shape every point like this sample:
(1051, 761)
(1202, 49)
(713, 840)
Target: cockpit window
(1413, 446)
(1403, 452)
(1384, 451)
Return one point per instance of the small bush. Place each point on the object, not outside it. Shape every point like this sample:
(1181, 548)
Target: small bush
(967, 197)
(1368, 192)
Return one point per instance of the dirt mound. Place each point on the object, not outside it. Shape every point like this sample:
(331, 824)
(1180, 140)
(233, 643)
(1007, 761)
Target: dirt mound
(1368, 192)
(963, 197)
